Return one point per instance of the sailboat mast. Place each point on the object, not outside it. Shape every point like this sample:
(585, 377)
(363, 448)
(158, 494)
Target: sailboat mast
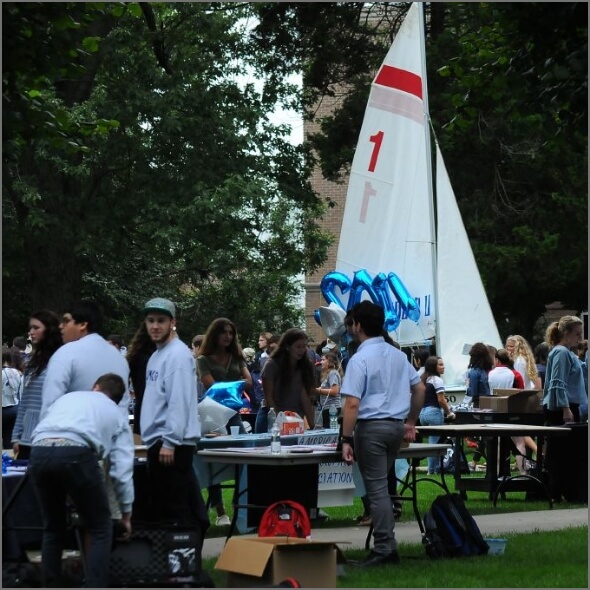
(430, 182)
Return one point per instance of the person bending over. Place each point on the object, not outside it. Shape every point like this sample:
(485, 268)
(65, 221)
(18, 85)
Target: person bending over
(78, 430)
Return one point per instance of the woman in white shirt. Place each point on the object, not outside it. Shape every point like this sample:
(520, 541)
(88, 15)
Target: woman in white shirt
(11, 386)
(524, 362)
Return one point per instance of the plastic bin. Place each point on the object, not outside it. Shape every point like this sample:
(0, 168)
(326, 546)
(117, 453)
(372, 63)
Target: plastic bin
(497, 546)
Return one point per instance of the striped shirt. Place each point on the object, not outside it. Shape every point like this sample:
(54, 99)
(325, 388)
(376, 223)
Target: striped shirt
(29, 408)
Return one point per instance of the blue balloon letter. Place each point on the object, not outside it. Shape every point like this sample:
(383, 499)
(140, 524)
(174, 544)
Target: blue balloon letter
(392, 319)
(407, 302)
(329, 282)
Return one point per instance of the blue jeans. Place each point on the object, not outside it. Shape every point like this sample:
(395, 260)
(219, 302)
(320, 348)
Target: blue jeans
(376, 446)
(261, 424)
(431, 416)
(57, 472)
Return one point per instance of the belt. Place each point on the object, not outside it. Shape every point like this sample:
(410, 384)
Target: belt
(380, 420)
(58, 442)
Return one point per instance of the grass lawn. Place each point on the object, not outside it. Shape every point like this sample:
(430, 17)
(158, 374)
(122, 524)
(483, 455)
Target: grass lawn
(553, 559)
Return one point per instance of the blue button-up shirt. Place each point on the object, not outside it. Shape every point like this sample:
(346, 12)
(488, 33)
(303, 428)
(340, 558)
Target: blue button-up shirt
(381, 376)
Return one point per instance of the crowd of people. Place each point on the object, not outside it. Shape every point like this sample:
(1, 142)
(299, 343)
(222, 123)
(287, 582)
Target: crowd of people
(379, 391)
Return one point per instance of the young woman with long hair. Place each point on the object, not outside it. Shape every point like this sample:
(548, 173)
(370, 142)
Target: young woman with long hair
(288, 378)
(482, 358)
(563, 394)
(45, 338)
(221, 359)
(564, 383)
(524, 362)
(329, 389)
(139, 351)
(480, 364)
(435, 406)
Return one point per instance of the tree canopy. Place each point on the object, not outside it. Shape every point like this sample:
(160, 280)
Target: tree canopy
(139, 159)
(508, 98)
(138, 163)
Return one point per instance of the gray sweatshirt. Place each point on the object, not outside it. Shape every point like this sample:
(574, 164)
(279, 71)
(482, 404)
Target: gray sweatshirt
(94, 420)
(169, 408)
(77, 365)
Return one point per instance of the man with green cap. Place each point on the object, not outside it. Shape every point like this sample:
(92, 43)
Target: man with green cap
(170, 426)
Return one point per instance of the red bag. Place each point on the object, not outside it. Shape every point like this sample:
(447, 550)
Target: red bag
(285, 519)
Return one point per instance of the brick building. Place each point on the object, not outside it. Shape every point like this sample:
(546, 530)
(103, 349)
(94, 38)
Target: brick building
(331, 222)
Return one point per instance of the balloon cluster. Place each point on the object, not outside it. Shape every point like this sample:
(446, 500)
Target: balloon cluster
(379, 290)
(227, 393)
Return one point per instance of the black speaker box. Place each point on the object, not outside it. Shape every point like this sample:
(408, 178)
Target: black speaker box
(155, 556)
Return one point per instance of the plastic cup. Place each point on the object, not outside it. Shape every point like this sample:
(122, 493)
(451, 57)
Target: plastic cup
(235, 430)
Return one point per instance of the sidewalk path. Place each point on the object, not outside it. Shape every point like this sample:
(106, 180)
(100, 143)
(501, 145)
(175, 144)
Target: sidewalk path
(408, 532)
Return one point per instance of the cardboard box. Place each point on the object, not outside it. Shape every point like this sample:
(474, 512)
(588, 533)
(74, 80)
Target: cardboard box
(252, 562)
(524, 401)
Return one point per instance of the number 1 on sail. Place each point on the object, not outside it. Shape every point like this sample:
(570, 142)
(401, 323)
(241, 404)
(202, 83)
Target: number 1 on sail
(369, 191)
(367, 194)
(377, 139)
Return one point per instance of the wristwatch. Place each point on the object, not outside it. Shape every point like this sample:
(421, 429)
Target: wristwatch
(346, 439)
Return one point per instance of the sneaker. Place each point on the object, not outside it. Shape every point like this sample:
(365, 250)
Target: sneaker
(365, 520)
(223, 520)
(379, 559)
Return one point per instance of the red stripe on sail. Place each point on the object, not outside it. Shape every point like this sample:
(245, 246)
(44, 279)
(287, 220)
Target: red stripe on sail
(400, 80)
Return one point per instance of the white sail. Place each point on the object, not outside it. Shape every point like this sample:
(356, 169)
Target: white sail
(465, 316)
(389, 204)
(386, 225)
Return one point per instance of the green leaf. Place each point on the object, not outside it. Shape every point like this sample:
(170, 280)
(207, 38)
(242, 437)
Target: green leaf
(134, 9)
(91, 44)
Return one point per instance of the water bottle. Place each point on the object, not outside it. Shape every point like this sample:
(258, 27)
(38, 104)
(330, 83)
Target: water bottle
(275, 440)
(333, 417)
(271, 418)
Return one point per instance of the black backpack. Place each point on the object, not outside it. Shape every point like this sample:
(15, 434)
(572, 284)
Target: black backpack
(450, 530)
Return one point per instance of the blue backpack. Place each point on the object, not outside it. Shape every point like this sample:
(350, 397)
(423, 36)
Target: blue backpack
(451, 531)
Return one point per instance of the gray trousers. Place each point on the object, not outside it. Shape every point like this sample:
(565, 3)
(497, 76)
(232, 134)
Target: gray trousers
(376, 446)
